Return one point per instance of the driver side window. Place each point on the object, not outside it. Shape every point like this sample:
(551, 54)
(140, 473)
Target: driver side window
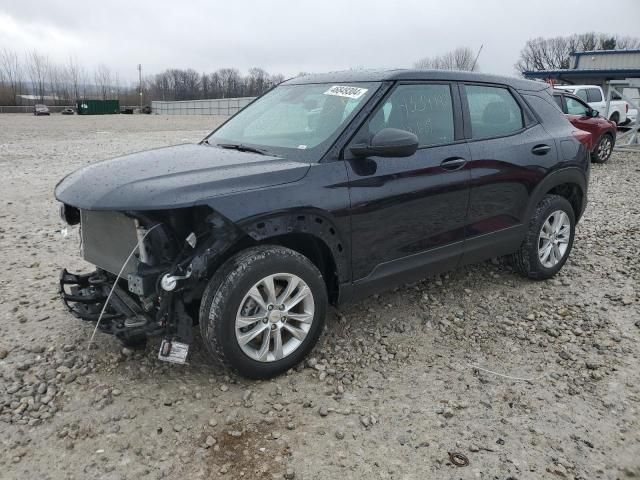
(575, 107)
(424, 110)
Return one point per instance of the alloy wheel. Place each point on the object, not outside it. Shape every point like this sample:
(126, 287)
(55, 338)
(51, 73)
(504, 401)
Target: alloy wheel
(553, 240)
(274, 317)
(604, 148)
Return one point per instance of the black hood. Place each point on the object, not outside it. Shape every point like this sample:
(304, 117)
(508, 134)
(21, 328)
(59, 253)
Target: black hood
(173, 177)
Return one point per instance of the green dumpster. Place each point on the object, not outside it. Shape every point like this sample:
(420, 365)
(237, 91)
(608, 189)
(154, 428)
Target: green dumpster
(98, 107)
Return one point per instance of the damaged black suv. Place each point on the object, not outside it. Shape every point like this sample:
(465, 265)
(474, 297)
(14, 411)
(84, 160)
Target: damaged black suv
(326, 189)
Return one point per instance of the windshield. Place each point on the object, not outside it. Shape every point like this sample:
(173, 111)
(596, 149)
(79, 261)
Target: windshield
(299, 122)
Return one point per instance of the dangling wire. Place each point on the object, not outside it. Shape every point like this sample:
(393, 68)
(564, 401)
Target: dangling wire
(104, 307)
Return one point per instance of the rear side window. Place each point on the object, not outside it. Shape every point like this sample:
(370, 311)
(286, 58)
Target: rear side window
(493, 111)
(547, 110)
(425, 110)
(582, 94)
(594, 95)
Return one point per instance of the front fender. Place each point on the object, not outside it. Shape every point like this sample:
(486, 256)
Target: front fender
(309, 221)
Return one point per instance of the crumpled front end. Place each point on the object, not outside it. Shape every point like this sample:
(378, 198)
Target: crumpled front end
(151, 269)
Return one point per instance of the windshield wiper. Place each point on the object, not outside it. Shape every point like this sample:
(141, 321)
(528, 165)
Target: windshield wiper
(242, 148)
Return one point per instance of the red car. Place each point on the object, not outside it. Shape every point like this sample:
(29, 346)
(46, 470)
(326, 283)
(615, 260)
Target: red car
(582, 116)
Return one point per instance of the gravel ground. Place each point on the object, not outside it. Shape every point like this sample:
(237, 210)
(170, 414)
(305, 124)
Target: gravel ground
(391, 389)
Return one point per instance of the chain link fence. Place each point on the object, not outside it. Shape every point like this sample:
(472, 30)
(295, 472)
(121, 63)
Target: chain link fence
(218, 106)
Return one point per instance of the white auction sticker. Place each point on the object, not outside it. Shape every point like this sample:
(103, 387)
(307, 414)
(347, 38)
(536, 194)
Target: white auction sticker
(174, 352)
(346, 91)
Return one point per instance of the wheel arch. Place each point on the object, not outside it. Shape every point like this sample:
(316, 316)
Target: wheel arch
(569, 183)
(311, 233)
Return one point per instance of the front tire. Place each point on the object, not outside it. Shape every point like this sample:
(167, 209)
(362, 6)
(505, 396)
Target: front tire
(603, 149)
(549, 239)
(263, 311)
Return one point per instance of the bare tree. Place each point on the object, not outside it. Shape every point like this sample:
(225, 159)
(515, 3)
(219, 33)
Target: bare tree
(462, 58)
(38, 68)
(102, 78)
(74, 75)
(624, 43)
(11, 74)
(555, 53)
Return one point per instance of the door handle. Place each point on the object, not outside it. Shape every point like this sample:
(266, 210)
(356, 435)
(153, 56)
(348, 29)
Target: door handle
(540, 149)
(454, 163)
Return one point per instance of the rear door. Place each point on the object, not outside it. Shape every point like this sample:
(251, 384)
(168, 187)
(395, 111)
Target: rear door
(408, 214)
(510, 154)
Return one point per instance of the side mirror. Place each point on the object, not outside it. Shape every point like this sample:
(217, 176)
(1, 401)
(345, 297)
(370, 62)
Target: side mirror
(388, 142)
(594, 113)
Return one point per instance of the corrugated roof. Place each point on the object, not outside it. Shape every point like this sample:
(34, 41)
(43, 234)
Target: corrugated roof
(604, 52)
(614, 59)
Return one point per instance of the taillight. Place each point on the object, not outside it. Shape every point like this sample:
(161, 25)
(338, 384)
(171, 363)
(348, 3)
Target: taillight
(583, 137)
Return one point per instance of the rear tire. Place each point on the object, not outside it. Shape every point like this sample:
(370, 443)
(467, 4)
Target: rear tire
(545, 248)
(615, 118)
(603, 149)
(281, 331)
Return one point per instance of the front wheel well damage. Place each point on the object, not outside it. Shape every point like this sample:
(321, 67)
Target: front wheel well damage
(315, 250)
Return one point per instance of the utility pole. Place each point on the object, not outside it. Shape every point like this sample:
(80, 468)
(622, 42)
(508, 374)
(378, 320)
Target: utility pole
(140, 84)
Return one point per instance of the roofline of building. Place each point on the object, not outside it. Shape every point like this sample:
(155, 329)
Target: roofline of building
(603, 52)
(617, 72)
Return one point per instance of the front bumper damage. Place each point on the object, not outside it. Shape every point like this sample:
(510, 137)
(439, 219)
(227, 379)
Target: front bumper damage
(124, 316)
(151, 270)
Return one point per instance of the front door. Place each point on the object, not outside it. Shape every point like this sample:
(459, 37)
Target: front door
(408, 214)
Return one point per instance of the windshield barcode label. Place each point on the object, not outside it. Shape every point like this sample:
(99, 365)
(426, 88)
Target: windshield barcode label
(345, 91)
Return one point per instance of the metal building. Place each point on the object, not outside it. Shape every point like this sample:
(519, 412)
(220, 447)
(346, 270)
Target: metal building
(594, 68)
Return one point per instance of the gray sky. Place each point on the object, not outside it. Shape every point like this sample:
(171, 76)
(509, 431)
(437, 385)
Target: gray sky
(289, 36)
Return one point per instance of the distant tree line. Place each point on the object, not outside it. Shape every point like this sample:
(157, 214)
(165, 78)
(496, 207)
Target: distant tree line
(177, 84)
(34, 74)
(462, 58)
(554, 53)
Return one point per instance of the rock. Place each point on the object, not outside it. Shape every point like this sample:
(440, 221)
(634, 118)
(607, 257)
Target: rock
(213, 422)
(210, 441)
(3, 353)
(323, 411)
(564, 355)
(591, 365)
(290, 474)
(339, 434)
(127, 352)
